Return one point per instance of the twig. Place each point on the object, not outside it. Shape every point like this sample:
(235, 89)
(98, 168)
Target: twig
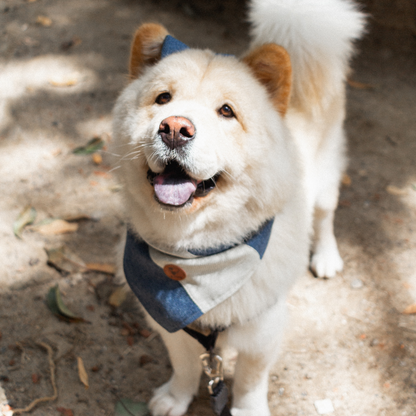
(55, 390)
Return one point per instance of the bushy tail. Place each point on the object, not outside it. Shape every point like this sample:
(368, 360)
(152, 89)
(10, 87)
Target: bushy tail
(318, 34)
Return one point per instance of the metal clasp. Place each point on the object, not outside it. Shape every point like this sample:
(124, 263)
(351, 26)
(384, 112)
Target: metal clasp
(213, 368)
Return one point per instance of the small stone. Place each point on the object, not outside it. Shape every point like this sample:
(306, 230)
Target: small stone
(357, 284)
(324, 407)
(281, 391)
(374, 342)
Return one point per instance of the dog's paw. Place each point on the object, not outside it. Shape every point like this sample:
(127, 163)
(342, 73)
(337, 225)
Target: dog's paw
(327, 262)
(164, 403)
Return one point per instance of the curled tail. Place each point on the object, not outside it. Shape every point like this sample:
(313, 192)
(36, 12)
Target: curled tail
(318, 34)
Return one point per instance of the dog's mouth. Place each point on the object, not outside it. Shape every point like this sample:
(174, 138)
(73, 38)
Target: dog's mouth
(175, 188)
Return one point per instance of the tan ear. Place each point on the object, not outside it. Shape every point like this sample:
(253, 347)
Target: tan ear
(146, 47)
(270, 64)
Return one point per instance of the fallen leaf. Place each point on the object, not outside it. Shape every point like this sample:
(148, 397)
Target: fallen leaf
(26, 217)
(118, 296)
(91, 147)
(65, 81)
(57, 307)
(101, 267)
(65, 412)
(44, 21)
(145, 359)
(82, 373)
(64, 261)
(71, 43)
(124, 332)
(411, 309)
(35, 378)
(56, 152)
(360, 85)
(77, 217)
(145, 333)
(102, 174)
(346, 180)
(394, 190)
(127, 407)
(56, 226)
(130, 341)
(344, 203)
(97, 159)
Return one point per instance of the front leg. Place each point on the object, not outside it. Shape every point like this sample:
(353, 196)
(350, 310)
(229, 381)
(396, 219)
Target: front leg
(174, 397)
(250, 386)
(258, 343)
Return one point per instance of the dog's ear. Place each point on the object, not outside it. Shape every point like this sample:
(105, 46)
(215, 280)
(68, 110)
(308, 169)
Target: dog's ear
(270, 64)
(146, 47)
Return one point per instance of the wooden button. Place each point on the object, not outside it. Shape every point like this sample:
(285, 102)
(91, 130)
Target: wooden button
(174, 272)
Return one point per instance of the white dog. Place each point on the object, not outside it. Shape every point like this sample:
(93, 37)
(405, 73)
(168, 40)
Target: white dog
(224, 160)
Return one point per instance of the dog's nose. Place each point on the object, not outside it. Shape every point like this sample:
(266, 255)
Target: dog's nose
(176, 131)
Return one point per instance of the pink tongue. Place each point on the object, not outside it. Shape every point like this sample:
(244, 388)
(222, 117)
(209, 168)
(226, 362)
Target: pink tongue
(172, 190)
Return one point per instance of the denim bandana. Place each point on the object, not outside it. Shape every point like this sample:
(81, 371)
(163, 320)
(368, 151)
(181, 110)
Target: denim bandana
(171, 45)
(178, 288)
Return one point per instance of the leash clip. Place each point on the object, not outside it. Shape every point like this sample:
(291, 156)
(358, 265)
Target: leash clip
(213, 368)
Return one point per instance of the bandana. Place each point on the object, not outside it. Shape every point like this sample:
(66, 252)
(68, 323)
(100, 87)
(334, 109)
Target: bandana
(178, 288)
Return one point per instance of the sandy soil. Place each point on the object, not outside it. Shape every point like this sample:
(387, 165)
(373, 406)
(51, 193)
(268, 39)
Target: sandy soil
(348, 340)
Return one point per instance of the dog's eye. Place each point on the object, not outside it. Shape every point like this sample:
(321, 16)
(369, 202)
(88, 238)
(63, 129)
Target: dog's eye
(226, 111)
(163, 98)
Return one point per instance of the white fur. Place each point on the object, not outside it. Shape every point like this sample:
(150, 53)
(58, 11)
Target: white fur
(262, 158)
(319, 35)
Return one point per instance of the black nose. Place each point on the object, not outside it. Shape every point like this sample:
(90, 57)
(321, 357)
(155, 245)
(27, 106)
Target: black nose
(176, 131)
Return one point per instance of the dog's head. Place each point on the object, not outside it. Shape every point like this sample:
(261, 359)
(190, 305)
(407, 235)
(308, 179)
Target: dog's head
(201, 135)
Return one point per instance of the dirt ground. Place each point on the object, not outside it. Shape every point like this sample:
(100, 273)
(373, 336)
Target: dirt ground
(62, 65)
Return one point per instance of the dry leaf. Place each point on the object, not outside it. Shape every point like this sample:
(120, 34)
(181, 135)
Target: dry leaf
(394, 190)
(105, 175)
(101, 267)
(44, 21)
(64, 260)
(359, 85)
(127, 407)
(26, 217)
(82, 373)
(65, 412)
(71, 43)
(55, 227)
(346, 180)
(145, 333)
(91, 146)
(118, 296)
(57, 306)
(66, 81)
(411, 309)
(97, 159)
(35, 378)
(77, 217)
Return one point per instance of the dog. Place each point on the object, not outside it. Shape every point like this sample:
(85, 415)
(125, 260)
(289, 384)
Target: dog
(227, 166)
